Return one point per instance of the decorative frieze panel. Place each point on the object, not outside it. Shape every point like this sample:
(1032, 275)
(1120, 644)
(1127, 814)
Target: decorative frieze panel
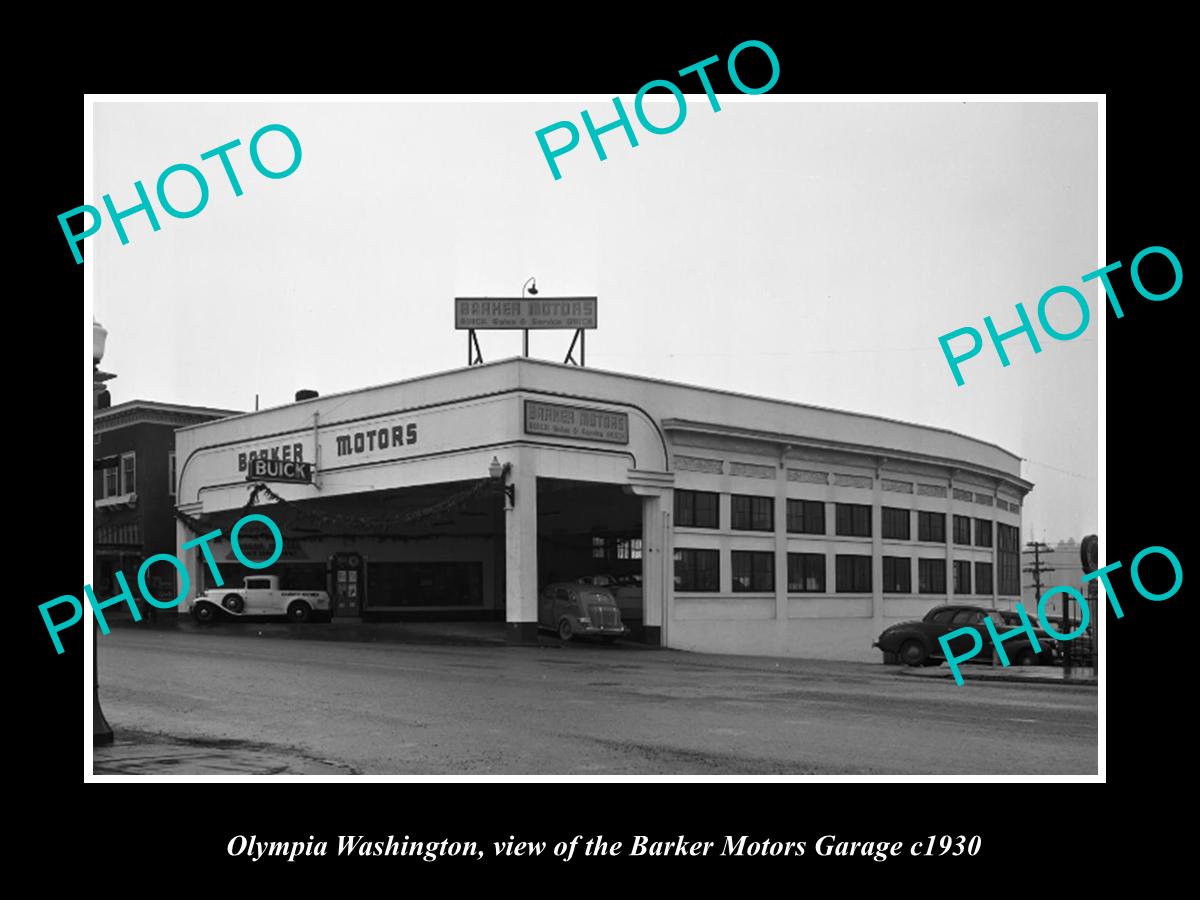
(900, 487)
(931, 490)
(858, 481)
(750, 470)
(699, 464)
(808, 475)
(965, 496)
(983, 499)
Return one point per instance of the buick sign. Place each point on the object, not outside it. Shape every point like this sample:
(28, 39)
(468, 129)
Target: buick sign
(264, 468)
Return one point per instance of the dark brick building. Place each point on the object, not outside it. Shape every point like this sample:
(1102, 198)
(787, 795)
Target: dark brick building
(134, 492)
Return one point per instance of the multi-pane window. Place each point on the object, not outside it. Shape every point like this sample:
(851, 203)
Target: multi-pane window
(854, 519)
(983, 577)
(1008, 556)
(931, 526)
(128, 473)
(897, 523)
(962, 576)
(962, 530)
(752, 513)
(806, 517)
(806, 573)
(171, 473)
(897, 575)
(112, 480)
(753, 570)
(931, 576)
(696, 509)
(853, 574)
(983, 532)
(611, 548)
(697, 570)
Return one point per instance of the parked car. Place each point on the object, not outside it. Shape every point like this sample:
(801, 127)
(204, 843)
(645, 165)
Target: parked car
(626, 589)
(916, 643)
(574, 608)
(260, 596)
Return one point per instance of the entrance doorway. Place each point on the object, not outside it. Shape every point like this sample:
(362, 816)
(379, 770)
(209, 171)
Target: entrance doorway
(593, 532)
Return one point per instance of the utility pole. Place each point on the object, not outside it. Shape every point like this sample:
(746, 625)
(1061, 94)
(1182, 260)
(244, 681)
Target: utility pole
(1036, 570)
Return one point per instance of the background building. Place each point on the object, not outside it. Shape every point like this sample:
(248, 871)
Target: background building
(134, 492)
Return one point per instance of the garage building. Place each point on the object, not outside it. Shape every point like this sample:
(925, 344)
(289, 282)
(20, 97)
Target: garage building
(756, 526)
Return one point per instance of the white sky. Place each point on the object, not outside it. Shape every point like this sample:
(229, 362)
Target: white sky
(811, 252)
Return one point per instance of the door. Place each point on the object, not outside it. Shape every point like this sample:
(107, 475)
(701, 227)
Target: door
(259, 597)
(964, 643)
(348, 581)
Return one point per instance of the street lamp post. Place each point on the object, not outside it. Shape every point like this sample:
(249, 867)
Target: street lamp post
(102, 732)
(531, 284)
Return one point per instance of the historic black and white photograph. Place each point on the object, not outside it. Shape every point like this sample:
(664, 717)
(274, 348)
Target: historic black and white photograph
(701, 433)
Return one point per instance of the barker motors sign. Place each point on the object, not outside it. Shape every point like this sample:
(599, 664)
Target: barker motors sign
(264, 468)
(487, 313)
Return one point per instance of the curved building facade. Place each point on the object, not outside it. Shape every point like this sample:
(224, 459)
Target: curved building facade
(754, 526)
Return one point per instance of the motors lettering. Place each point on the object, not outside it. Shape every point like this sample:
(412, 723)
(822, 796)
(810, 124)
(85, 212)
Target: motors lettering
(376, 439)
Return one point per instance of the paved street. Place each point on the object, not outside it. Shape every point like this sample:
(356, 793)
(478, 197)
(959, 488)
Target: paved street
(193, 702)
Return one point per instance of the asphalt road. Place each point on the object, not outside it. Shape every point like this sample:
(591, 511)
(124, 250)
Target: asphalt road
(576, 709)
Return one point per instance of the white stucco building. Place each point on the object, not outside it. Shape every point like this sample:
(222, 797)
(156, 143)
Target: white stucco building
(758, 526)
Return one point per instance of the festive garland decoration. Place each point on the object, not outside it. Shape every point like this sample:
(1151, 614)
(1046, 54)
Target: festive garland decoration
(362, 526)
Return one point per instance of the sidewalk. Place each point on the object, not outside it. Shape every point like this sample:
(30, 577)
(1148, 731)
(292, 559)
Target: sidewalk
(462, 634)
(1027, 674)
(145, 753)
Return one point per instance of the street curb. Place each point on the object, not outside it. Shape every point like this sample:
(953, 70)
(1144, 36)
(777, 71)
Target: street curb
(1008, 679)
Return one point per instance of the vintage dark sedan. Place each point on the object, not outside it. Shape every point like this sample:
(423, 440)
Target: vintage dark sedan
(916, 643)
(574, 609)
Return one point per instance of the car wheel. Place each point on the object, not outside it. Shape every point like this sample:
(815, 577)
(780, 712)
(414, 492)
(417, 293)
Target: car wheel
(233, 603)
(565, 631)
(891, 658)
(1027, 657)
(299, 611)
(913, 653)
(203, 613)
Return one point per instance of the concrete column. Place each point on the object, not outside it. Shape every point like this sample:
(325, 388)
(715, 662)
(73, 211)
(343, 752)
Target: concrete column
(189, 558)
(995, 550)
(520, 553)
(655, 562)
(950, 539)
(877, 553)
(781, 542)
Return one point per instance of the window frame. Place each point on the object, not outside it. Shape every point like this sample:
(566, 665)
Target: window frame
(805, 507)
(756, 560)
(855, 568)
(924, 563)
(887, 582)
(126, 487)
(884, 520)
(991, 575)
(960, 566)
(803, 573)
(686, 500)
(757, 504)
(854, 519)
(984, 525)
(695, 569)
(924, 516)
(959, 521)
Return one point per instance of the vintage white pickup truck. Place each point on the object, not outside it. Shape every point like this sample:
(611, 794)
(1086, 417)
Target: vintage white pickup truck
(260, 596)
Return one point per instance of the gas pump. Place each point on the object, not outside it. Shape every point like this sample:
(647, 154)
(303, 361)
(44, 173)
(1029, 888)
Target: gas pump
(348, 584)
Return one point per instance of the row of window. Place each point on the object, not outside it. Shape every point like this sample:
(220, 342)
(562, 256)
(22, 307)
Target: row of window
(118, 476)
(754, 570)
(699, 509)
